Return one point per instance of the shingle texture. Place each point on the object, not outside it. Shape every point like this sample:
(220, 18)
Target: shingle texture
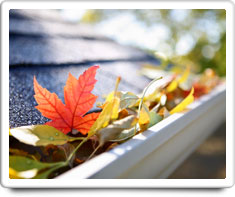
(44, 45)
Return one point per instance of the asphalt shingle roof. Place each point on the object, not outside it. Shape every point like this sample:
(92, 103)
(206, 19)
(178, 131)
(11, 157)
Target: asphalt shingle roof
(44, 45)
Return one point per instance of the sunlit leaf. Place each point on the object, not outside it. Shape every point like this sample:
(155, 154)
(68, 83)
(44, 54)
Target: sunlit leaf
(174, 84)
(115, 109)
(13, 174)
(181, 106)
(83, 124)
(103, 118)
(40, 135)
(110, 111)
(185, 75)
(20, 163)
(144, 116)
(110, 96)
(78, 99)
(155, 95)
(23, 167)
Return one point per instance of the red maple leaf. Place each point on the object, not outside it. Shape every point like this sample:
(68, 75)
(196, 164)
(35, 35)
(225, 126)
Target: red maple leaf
(78, 101)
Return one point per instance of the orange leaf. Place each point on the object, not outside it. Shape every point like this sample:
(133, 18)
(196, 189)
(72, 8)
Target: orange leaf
(83, 124)
(53, 108)
(77, 93)
(78, 99)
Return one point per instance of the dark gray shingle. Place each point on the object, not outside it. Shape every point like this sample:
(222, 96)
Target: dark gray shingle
(49, 48)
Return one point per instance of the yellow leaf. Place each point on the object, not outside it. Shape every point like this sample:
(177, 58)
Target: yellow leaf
(110, 111)
(173, 85)
(115, 110)
(114, 98)
(13, 174)
(115, 101)
(185, 75)
(110, 97)
(103, 119)
(180, 107)
(154, 96)
(144, 118)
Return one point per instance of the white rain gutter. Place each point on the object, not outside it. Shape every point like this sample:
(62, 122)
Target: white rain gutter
(157, 152)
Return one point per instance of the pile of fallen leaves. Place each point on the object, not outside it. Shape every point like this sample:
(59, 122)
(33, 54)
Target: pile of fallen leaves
(74, 135)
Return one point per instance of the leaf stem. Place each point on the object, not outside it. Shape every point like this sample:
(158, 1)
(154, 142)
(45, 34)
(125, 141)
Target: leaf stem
(91, 155)
(116, 85)
(77, 138)
(115, 95)
(86, 138)
(142, 98)
(130, 99)
(45, 174)
(144, 92)
(75, 150)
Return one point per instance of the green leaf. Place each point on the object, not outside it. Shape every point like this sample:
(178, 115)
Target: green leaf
(41, 135)
(154, 118)
(24, 167)
(20, 163)
(47, 172)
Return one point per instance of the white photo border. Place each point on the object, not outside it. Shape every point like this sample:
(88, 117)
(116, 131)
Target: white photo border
(118, 183)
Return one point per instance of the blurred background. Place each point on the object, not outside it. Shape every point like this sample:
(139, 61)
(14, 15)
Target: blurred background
(185, 37)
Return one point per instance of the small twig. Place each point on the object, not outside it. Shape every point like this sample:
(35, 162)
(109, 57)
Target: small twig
(144, 92)
(75, 150)
(91, 155)
(142, 98)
